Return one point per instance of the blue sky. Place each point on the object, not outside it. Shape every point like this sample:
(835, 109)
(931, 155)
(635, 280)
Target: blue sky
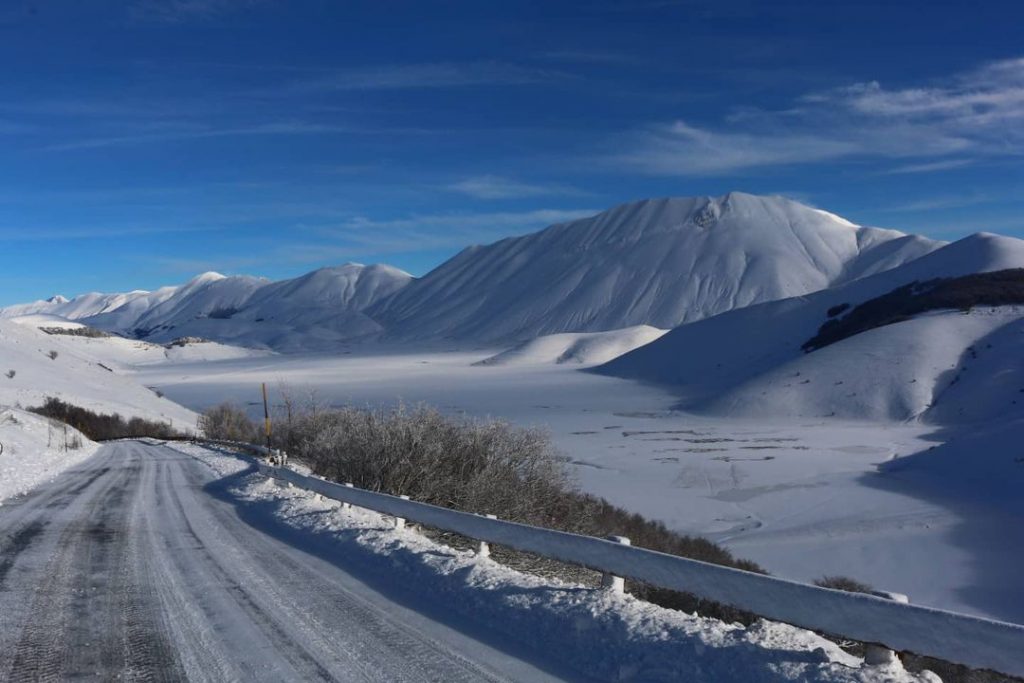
(142, 142)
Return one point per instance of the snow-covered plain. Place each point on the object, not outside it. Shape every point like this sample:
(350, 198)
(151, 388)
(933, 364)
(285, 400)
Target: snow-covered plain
(804, 497)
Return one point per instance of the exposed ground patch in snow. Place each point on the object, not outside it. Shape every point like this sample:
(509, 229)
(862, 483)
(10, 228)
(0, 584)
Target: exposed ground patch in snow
(606, 636)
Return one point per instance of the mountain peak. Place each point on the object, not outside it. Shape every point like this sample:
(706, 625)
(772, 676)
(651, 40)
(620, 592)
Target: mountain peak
(208, 276)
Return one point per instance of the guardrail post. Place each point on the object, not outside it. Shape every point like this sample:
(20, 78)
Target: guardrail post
(400, 521)
(880, 655)
(484, 549)
(610, 582)
(344, 505)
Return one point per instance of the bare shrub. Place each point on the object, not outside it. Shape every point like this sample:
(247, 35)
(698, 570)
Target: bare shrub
(100, 426)
(843, 583)
(90, 332)
(228, 422)
(52, 355)
(10, 374)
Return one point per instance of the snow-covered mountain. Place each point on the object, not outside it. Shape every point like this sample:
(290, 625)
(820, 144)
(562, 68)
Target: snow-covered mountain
(945, 365)
(85, 305)
(314, 311)
(659, 262)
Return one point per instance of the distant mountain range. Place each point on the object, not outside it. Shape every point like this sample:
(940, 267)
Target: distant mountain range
(659, 262)
(318, 310)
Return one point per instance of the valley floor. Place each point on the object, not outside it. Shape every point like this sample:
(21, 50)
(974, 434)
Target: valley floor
(803, 497)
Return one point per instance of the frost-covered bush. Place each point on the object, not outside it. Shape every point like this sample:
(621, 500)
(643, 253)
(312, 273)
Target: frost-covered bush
(229, 422)
(474, 465)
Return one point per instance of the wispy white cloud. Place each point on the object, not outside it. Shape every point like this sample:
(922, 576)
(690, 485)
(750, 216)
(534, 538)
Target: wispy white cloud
(176, 11)
(172, 132)
(418, 76)
(361, 236)
(971, 115)
(497, 187)
(682, 149)
(930, 166)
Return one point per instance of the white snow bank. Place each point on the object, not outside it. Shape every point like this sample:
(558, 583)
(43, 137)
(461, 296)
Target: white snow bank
(609, 637)
(582, 348)
(34, 450)
(35, 365)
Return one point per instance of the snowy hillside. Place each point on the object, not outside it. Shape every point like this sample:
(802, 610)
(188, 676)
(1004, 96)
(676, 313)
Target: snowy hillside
(658, 262)
(582, 348)
(28, 374)
(88, 305)
(316, 311)
(945, 365)
(123, 353)
(36, 449)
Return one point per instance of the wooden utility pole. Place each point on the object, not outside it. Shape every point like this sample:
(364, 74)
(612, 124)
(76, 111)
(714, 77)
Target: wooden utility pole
(266, 415)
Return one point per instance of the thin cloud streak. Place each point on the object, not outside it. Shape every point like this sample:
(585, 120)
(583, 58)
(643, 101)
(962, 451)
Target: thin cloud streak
(417, 77)
(977, 114)
(362, 236)
(497, 187)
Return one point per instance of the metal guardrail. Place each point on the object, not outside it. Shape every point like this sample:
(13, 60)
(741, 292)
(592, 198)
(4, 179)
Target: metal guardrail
(960, 638)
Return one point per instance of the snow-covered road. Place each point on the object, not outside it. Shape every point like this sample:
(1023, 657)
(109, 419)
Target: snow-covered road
(135, 564)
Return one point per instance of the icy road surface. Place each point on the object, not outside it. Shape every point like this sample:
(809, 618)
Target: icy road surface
(134, 565)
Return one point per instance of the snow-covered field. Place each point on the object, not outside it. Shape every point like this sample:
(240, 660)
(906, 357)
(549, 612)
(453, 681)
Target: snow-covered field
(804, 497)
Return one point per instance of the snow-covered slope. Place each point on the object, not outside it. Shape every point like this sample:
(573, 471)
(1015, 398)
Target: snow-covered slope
(942, 365)
(86, 305)
(315, 311)
(36, 449)
(318, 310)
(583, 348)
(210, 295)
(28, 375)
(658, 262)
